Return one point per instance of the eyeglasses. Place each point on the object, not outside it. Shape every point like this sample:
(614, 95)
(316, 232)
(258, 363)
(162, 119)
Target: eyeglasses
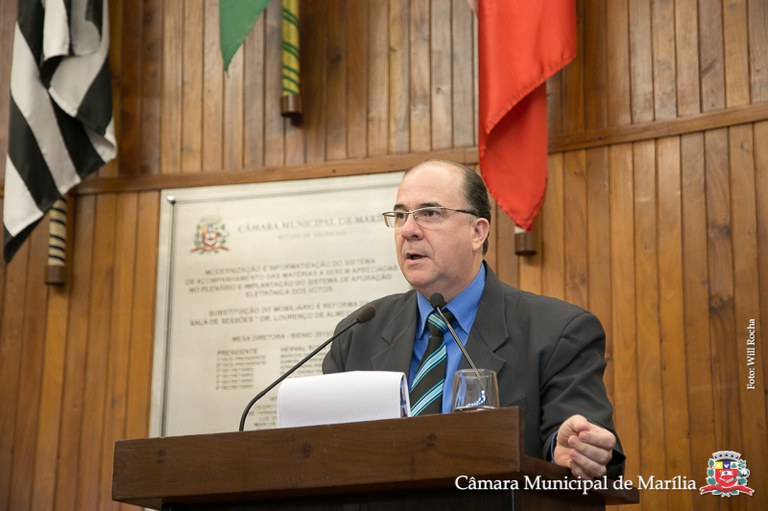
(424, 216)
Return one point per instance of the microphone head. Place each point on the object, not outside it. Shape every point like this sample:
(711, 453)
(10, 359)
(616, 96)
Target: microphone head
(366, 313)
(437, 300)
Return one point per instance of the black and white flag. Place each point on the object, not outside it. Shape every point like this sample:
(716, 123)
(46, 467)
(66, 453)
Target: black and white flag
(60, 122)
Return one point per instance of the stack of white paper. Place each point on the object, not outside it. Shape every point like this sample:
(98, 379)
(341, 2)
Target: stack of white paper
(342, 397)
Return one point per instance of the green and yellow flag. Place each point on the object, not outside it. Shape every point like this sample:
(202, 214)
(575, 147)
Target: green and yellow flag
(236, 19)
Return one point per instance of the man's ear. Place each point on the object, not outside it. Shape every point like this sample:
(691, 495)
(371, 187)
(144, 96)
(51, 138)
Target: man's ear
(481, 230)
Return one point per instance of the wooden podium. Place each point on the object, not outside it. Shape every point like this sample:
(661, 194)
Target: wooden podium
(398, 464)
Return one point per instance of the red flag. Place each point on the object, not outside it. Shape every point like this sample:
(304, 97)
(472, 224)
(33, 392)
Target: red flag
(521, 43)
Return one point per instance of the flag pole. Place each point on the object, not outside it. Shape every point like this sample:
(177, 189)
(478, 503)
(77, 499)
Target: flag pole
(525, 242)
(290, 101)
(56, 271)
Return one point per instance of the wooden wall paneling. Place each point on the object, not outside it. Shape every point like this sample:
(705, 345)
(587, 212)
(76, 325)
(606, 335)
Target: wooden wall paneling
(7, 28)
(98, 344)
(51, 391)
(152, 58)
(507, 262)
(595, 60)
(736, 52)
(746, 292)
(357, 79)
(294, 142)
(135, 54)
(399, 115)
(650, 395)
(687, 57)
(711, 55)
(254, 97)
(639, 132)
(758, 50)
(389, 163)
(664, 69)
(575, 195)
(213, 93)
(125, 61)
(618, 94)
(501, 252)
(12, 329)
(142, 315)
(441, 77)
(720, 276)
(554, 104)
(192, 89)
(530, 267)
(233, 112)
(476, 73)
(336, 80)
(671, 319)
(79, 291)
(623, 325)
(142, 319)
(555, 96)
(598, 252)
(761, 191)
(313, 76)
(444, 55)
(677, 222)
(378, 77)
(119, 339)
(572, 82)
(699, 362)
(641, 60)
(462, 83)
(598, 229)
(552, 232)
(419, 74)
(30, 370)
(170, 98)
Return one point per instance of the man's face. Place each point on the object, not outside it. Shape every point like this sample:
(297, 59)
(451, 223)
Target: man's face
(442, 258)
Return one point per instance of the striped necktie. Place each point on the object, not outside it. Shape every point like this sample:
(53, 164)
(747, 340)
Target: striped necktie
(427, 386)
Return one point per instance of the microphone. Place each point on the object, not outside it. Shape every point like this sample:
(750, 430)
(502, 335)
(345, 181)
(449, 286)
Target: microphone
(365, 313)
(438, 302)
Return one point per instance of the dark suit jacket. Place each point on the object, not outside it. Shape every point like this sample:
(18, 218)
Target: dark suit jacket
(548, 356)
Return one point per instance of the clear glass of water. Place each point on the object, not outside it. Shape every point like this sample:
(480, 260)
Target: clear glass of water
(475, 390)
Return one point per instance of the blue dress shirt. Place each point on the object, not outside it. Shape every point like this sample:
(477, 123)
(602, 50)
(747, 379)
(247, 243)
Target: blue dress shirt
(464, 308)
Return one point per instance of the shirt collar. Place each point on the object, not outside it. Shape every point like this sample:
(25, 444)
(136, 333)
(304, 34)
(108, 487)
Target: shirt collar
(463, 306)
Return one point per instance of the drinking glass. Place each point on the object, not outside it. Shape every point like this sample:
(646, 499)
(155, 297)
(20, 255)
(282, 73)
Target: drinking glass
(475, 390)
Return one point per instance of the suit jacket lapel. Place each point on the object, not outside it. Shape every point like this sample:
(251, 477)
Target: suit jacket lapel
(489, 331)
(397, 339)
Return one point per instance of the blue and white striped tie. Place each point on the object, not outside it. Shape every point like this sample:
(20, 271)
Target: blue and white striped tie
(426, 390)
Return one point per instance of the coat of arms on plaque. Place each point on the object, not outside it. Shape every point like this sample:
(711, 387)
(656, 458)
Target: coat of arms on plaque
(210, 236)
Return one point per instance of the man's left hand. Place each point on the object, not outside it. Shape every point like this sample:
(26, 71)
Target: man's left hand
(583, 447)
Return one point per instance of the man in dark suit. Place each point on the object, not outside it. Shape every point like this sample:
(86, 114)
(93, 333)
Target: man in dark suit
(548, 354)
